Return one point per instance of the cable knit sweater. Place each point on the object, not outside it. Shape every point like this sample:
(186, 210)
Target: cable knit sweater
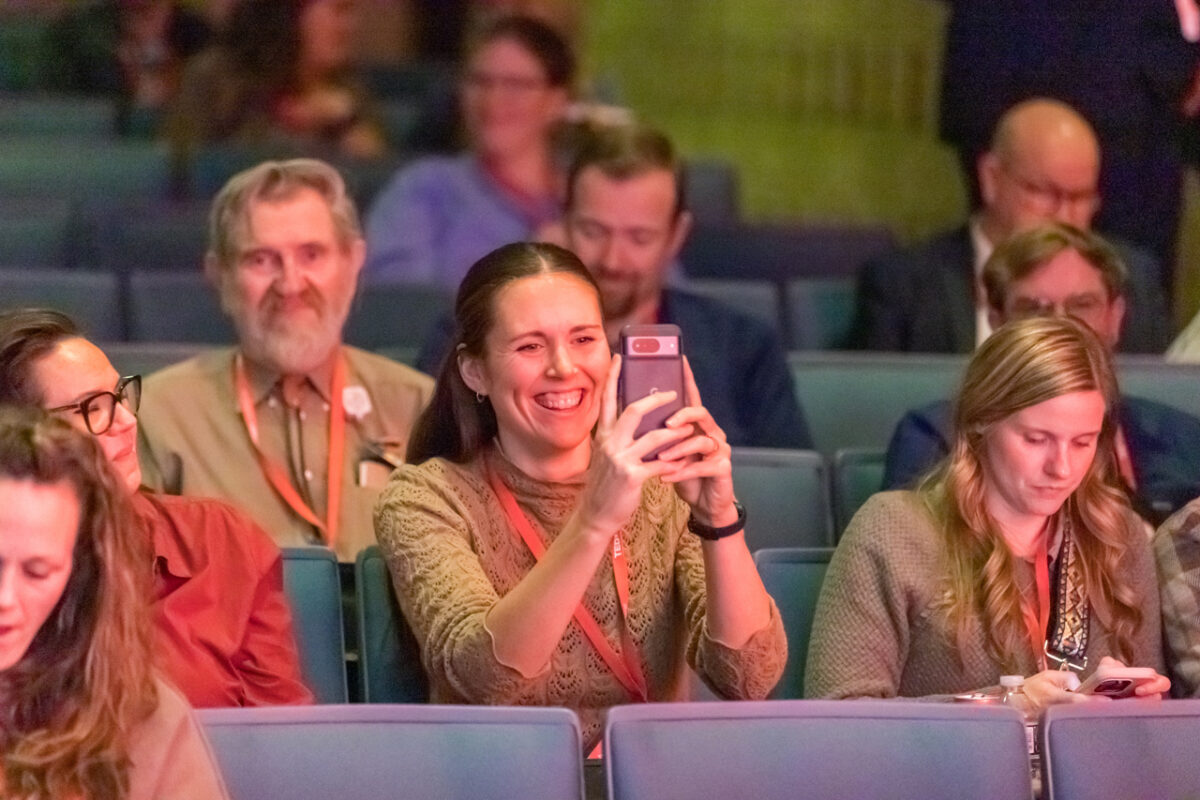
(875, 633)
(453, 554)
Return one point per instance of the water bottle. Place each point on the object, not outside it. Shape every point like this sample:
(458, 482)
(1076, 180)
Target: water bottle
(1012, 694)
(1012, 688)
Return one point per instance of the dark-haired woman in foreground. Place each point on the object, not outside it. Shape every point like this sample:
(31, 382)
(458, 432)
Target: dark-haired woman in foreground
(505, 463)
(945, 589)
(82, 714)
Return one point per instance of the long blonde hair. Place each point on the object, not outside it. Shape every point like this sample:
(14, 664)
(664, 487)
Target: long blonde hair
(1024, 363)
(72, 701)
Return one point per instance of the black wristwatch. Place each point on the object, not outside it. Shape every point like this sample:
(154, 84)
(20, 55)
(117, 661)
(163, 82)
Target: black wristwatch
(713, 534)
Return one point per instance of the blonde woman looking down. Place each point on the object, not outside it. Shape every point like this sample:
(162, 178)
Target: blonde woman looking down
(946, 588)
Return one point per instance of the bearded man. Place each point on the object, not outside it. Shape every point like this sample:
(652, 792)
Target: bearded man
(298, 429)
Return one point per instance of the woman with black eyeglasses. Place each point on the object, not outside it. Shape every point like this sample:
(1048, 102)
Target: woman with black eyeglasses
(224, 631)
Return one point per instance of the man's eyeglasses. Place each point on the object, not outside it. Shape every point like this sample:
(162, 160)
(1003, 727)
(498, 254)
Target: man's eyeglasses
(1050, 198)
(98, 410)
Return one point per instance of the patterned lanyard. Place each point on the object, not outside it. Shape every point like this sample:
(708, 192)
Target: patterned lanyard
(625, 666)
(1067, 639)
(276, 475)
(1058, 631)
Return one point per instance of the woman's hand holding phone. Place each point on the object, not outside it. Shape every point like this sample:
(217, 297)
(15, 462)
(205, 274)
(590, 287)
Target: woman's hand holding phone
(617, 468)
(1114, 680)
(1111, 680)
(704, 474)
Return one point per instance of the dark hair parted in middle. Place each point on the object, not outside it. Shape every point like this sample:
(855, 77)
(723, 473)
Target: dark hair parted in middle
(456, 425)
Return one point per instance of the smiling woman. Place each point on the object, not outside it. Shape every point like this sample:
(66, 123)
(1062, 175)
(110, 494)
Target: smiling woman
(81, 711)
(440, 214)
(537, 557)
(1020, 553)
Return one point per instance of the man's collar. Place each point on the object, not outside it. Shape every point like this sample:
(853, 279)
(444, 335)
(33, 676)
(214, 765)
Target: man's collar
(981, 245)
(263, 379)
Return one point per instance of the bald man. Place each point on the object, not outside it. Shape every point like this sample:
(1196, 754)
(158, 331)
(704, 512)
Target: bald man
(1124, 64)
(1043, 166)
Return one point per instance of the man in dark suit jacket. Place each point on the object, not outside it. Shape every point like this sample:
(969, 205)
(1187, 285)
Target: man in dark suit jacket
(626, 219)
(1058, 269)
(1043, 166)
(1124, 64)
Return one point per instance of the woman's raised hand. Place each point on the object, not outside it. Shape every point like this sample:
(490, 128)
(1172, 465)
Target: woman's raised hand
(616, 471)
(703, 474)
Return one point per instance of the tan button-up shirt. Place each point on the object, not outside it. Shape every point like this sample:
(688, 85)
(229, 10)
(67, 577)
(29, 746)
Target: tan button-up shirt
(193, 441)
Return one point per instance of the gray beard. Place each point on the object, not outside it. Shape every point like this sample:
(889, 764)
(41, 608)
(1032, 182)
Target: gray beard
(294, 352)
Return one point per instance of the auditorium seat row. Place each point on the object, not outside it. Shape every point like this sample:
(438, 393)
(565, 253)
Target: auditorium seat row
(388, 658)
(855, 399)
(178, 305)
(774, 750)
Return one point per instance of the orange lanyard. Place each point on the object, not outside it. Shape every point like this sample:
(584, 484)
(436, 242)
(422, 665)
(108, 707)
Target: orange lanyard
(626, 668)
(1038, 620)
(276, 475)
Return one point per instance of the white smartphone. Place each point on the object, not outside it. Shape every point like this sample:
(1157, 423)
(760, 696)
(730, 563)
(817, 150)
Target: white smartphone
(1117, 682)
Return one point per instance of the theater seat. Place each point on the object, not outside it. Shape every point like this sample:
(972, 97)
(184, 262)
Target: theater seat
(1121, 750)
(786, 495)
(820, 313)
(388, 654)
(92, 299)
(314, 591)
(793, 576)
(802, 749)
(857, 474)
(371, 752)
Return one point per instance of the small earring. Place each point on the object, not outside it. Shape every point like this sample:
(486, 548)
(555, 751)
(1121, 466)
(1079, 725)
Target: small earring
(480, 397)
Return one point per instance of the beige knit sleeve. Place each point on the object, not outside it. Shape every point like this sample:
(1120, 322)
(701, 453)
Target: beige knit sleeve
(860, 633)
(424, 523)
(747, 673)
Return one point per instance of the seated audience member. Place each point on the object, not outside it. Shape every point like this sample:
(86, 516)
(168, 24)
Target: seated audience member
(290, 425)
(1125, 66)
(1056, 269)
(84, 714)
(132, 51)
(280, 76)
(523, 479)
(1043, 166)
(627, 220)
(223, 625)
(1019, 554)
(1177, 551)
(441, 214)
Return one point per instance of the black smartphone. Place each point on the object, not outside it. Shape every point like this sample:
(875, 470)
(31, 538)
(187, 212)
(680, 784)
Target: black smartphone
(651, 362)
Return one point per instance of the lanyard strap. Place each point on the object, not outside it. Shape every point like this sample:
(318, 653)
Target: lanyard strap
(1062, 638)
(276, 475)
(626, 667)
(1067, 636)
(1037, 619)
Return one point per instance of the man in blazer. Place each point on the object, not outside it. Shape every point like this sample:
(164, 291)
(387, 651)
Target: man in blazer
(1063, 270)
(1043, 165)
